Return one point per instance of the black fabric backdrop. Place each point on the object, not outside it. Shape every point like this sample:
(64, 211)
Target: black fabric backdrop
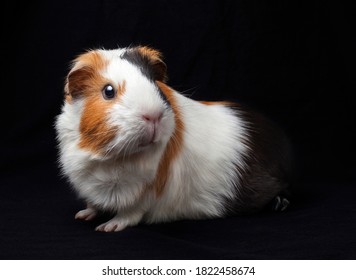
(292, 60)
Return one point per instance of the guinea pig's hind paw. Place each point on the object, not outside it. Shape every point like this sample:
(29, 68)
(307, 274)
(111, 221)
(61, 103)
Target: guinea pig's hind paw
(86, 214)
(280, 203)
(113, 225)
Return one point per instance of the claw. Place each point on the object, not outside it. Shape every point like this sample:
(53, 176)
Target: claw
(280, 203)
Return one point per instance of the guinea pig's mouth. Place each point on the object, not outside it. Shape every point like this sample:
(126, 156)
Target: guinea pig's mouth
(145, 144)
(148, 139)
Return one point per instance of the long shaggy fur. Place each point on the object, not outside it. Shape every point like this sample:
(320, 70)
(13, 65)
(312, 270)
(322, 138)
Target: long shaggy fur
(150, 154)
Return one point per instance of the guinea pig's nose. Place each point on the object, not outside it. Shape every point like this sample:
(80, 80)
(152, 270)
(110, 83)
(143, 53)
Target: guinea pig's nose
(152, 117)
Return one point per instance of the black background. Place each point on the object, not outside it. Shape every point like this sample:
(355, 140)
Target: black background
(292, 60)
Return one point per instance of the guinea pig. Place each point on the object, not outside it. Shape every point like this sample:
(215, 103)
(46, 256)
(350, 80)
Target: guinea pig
(132, 146)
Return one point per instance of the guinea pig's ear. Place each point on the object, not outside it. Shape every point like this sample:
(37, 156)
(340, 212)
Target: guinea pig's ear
(77, 80)
(150, 62)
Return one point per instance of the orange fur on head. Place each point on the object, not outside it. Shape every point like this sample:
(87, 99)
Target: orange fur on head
(85, 81)
(84, 74)
(152, 53)
(95, 133)
(155, 58)
(174, 145)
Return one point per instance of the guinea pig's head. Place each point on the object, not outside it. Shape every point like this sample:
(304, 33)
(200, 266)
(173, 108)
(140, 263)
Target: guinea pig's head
(121, 105)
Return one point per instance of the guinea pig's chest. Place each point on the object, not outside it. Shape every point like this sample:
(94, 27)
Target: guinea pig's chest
(113, 185)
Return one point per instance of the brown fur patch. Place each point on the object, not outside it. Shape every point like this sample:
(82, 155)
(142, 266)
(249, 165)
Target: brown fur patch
(92, 58)
(224, 103)
(95, 133)
(84, 76)
(156, 60)
(174, 145)
(151, 53)
(85, 81)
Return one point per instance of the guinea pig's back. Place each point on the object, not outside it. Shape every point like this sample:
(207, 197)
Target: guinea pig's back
(269, 164)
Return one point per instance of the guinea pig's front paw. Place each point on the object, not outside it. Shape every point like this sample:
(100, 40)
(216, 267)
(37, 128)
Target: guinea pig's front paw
(115, 224)
(86, 214)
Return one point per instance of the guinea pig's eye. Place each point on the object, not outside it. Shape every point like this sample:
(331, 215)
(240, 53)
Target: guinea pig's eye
(109, 92)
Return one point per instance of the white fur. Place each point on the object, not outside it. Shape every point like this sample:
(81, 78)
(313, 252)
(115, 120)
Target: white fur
(200, 178)
(205, 173)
